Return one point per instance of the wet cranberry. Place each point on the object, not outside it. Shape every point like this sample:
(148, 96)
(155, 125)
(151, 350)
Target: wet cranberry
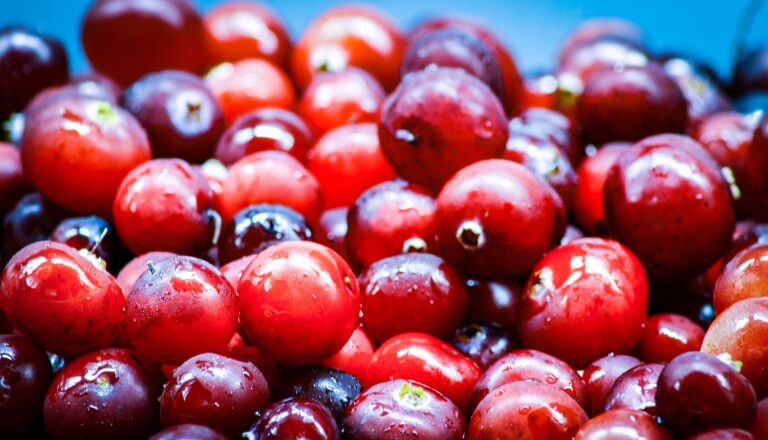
(104, 394)
(332, 230)
(667, 188)
(24, 376)
(241, 349)
(216, 391)
(179, 307)
(333, 388)
(389, 219)
(239, 30)
(601, 374)
(248, 85)
(91, 233)
(702, 92)
(354, 356)
(316, 295)
(483, 343)
(265, 129)
(95, 138)
(179, 113)
(737, 333)
(294, 418)
(171, 37)
(604, 54)
(723, 434)
(526, 410)
(474, 210)
(188, 431)
(347, 161)
(495, 302)
(61, 300)
(271, 177)
(439, 121)
(350, 36)
(597, 29)
(635, 389)
(621, 424)
(666, 336)
(400, 409)
(133, 269)
(751, 71)
(29, 63)
(415, 292)
(588, 198)
(163, 195)
(257, 227)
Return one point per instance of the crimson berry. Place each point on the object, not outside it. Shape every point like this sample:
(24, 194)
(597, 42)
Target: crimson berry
(591, 175)
(13, 184)
(596, 29)
(91, 233)
(332, 230)
(602, 54)
(635, 389)
(32, 219)
(334, 389)
(751, 72)
(188, 431)
(601, 374)
(133, 269)
(241, 349)
(760, 425)
(724, 434)
(294, 418)
(495, 302)
(701, 91)
(354, 356)
(623, 424)
(668, 335)
(745, 276)
(233, 270)
(483, 343)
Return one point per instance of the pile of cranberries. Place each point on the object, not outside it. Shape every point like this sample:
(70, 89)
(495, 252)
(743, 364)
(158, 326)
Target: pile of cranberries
(368, 234)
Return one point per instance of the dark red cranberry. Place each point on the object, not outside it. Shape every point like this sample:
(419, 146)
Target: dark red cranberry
(724, 434)
(751, 72)
(483, 343)
(760, 425)
(588, 199)
(295, 418)
(701, 91)
(667, 335)
(104, 394)
(601, 374)
(333, 388)
(596, 29)
(602, 54)
(635, 389)
(32, 219)
(496, 302)
(92, 234)
(745, 276)
(5, 327)
(188, 431)
(354, 356)
(439, 121)
(13, 184)
(399, 409)
(332, 230)
(623, 424)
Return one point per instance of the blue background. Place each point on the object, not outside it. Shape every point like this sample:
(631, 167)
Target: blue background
(533, 29)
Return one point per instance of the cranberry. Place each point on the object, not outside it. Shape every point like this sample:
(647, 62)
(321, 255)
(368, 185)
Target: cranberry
(136, 267)
(760, 425)
(668, 335)
(601, 374)
(668, 188)
(623, 424)
(61, 300)
(239, 30)
(388, 219)
(541, 90)
(347, 161)
(603, 54)
(635, 389)
(482, 343)
(701, 91)
(294, 418)
(414, 292)
(588, 198)
(265, 129)
(495, 302)
(427, 360)
(334, 389)
(354, 356)
(723, 434)
(7, 328)
(171, 37)
(745, 234)
(751, 72)
(526, 410)
(439, 121)
(332, 230)
(104, 394)
(92, 234)
(241, 349)
(97, 85)
(180, 114)
(216, 391)
(188, 431)
(32, 219)
(742, 277)
(29, 62)
(400, 409)
(349, 36)
(316, 295)
(13, 184)
(597, 29)
(24, 376)
(475, 209)
(95, 138)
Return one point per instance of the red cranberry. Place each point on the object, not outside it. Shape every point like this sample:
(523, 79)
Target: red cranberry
(104, 394)
(399, 409)
(294, 418)
(723, 434)
(414, 292)
(602, 54)
(332, 230)
(241, 349)
(92, 234)
(495, 302)
(702, 93)
(32, 219)
(597, 29)
(760, 425)
(354, 356)
(475, 209)
(588, 198)
(13, 184)
(97, 85)
(133, 269)
(334, 389)
(216, 391)
(541, 90)
(188, 431)
(635, 389)
(483, 343)
(745, 234)
(623, 424)
(601, 374)
(439, 121)
(668, 335)
(171, 37)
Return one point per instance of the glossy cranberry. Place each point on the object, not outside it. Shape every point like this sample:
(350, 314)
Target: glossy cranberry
(541, 90)
(414, 292)
(597, 29)
(701, 91)
(746, 234)
(577, 66)
(427, 360)
(483, 343)
(347, 161)
(333, 388)
(588, 198)
(250, 84)
(668, 335)
(723, 434)
(265, 129)
(760, 425)
(668, 188)
(97, 85)
(526, 410)
(623, 424)
(32, 219)
(751, 71)
(188, 431)
(165, 195)
(13, 184)
(271, 177)
(399, 409)
(299, 302)
(104, 394)
(439, 121)
(635, 389)
(332, 230)
(171, 37)
(496, 302)
(601, 374)
(239, 30)
(473, 213)
(136, 267)
(180, 114)
(92, 234)
(257, 227)
(294, 418)
(95, 138)
(354, 356)
(241, 349)
(29, 62)
(389, 219)
(61, 300)
(24, 376)
(179, 307)
(737, 334)
(350, 36)
(216, 391)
